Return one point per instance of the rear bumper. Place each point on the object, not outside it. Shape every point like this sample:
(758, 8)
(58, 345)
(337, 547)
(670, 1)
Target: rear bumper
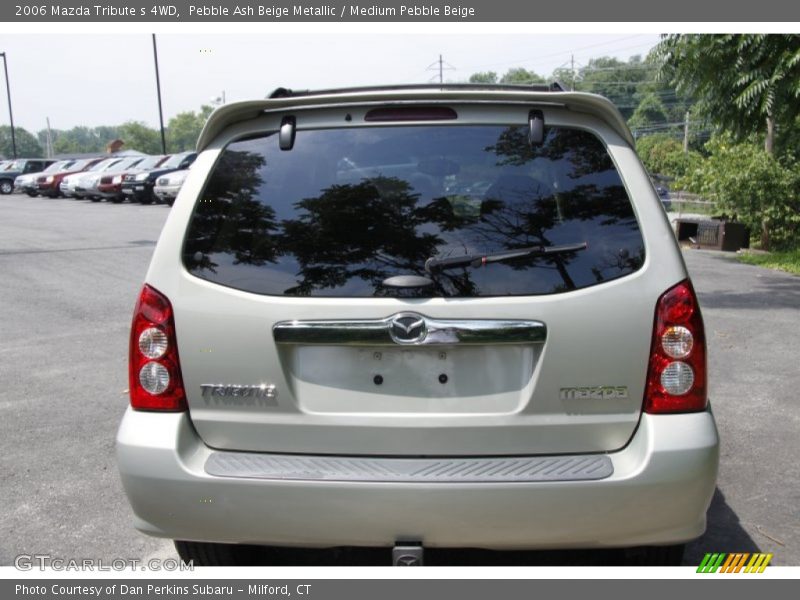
(166, 192)
(658, 493)
(109, 192)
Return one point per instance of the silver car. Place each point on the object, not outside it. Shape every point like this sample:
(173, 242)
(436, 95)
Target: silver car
(418, 317)
(167, 186)
(76, 184)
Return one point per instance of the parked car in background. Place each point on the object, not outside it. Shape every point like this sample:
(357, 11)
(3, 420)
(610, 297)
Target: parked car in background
(441, 316)
(167, 186)
(110, 186)
(50, 185)
(138, 187)
(88, 186)
(86, 181)
(664, 196)
(26, 184)
(21, 166)
(661, 183)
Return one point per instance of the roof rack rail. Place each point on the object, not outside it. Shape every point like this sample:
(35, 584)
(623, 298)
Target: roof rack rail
(554, 86)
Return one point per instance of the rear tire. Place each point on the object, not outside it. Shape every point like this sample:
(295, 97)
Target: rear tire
(656, 556)
(205, 554)
(6, 186)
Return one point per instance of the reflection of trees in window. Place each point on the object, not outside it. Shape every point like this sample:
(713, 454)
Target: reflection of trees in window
(521, 217)
(229, 219)
(521, 220)
(370, 231)
(345, 239)
(581, 148)
(607, 204)
(611, 265)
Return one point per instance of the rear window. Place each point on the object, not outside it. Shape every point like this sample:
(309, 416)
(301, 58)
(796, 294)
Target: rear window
(346, 209)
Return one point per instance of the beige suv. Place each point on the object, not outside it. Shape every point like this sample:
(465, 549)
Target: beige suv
(418, 317)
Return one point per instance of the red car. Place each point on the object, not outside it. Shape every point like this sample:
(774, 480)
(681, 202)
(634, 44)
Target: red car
(110, 186)
(50, 185)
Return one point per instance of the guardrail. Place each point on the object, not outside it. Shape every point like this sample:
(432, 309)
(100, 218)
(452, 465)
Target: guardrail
(685, 203)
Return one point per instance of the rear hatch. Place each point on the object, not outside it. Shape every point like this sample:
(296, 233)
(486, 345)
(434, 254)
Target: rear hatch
(296, 336)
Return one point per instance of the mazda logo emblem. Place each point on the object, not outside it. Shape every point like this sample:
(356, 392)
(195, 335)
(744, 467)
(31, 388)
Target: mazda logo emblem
(408, 328)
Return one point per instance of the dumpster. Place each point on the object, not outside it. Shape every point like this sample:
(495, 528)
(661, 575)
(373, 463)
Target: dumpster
(713, 234)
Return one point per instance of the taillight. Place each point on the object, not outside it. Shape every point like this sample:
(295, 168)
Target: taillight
(154, 370)
(676, 376)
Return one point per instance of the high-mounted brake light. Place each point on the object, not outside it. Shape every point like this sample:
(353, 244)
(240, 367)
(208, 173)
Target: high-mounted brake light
(154, 370)
(412, 113)
(676, 376)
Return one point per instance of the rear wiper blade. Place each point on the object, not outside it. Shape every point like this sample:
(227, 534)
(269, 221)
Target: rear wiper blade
(478, 260)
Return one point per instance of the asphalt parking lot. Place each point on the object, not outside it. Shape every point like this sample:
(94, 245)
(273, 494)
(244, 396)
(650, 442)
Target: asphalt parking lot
(71, 271)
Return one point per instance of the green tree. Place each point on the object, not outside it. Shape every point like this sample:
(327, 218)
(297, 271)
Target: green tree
(745, 83)
(138, 136)
(755, 186)
(184, 128)
(483, 77)
(78, 140)
(105, 133)
(617, 80)
(663, 154)
(567, 77)
(27, 144)
(651, 111)
(521, 76)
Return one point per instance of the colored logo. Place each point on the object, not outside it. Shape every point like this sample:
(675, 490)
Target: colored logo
(740, 562)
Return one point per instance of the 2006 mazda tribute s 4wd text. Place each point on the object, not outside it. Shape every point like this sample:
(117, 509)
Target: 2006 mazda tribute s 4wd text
(418, 317)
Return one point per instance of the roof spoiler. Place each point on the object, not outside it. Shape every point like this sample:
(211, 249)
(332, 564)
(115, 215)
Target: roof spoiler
(553, 86)
(289, 102)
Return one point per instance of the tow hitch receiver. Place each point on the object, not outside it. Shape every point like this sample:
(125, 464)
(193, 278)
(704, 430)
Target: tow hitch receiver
(408, 555)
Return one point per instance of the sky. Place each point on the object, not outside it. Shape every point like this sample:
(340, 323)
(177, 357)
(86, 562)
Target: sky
(92, 79)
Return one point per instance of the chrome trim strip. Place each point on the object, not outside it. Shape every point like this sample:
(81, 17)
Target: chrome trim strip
(437, 332)
(579, 467)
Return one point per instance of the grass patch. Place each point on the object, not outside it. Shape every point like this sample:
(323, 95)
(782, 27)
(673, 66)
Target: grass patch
(783, 261)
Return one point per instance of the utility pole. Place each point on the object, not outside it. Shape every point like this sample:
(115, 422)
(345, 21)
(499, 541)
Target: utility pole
(10, 114)
(572, 67)
(442, 66)
(686, 133)
(158, 91)
(49, 140)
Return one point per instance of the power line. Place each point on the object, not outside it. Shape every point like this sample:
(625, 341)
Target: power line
(441, 66)
(564, 53)
(624, 66)
(631, 47)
